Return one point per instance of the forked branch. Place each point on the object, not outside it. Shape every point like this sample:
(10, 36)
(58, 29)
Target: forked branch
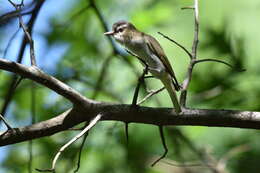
(187, 81)
(26, 32)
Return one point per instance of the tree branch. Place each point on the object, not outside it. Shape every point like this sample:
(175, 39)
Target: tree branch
(126, 113)
(84, 109)
(10, 42)
(26, 32)
(5, 122)
(84, 131)
(218, 61)
(178, 44)
(187, 81)
(151, 93)
(30, 25)
(39, 76)
(164, 146)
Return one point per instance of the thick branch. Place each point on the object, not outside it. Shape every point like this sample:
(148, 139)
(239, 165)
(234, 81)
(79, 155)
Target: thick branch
(40, 77)
(127, 113)
(85, 109)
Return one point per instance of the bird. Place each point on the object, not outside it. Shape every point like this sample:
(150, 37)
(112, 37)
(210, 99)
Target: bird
(150, 52)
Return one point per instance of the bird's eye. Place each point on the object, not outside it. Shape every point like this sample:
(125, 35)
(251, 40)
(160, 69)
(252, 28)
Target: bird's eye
(120, 29)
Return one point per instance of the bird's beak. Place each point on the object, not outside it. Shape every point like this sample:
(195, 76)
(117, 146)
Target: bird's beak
(109, 33)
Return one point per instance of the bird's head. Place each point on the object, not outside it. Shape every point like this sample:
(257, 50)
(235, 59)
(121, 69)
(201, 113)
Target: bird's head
(122, 31)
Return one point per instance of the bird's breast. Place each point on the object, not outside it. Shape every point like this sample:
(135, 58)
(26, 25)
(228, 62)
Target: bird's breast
(137, 46)
(141, 49)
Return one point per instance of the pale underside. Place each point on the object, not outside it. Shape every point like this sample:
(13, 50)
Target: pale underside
(139, 47)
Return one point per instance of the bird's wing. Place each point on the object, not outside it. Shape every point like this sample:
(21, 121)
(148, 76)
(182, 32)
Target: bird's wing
(156, 48)
(133, 54)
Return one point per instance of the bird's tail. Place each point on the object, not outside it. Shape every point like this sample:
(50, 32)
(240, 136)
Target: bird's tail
(168, 84)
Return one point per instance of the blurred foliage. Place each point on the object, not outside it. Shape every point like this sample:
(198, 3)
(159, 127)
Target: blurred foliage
(228, 31)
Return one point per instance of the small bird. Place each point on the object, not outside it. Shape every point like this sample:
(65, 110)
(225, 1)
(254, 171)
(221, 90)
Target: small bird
(149, 51)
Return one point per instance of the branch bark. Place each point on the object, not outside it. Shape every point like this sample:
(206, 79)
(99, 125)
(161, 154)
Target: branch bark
(84, 109)
(127, 113)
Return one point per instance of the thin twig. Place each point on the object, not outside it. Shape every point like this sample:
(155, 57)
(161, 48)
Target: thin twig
(137, 88)
(175, 42)
(141, 60)
(30, 147)
(127, 133)
(140, 81)
(13, 4)
(196, 30)
(135, 98)
(101, 76)
(131, 53)
(75, 129)
(5, 18)
(213, 60)
(80, 151)
(33, 113)
(26, 32)
(217, 60)
(187, 8)
(9, 42)
(31, 42)
(151, 93)
(30, 25)
(188, 164)
(13, 83)
(195, 43)
(164, 146)
(92, 123)
(5, 122)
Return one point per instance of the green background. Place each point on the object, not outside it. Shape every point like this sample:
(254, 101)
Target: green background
(75, 50)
